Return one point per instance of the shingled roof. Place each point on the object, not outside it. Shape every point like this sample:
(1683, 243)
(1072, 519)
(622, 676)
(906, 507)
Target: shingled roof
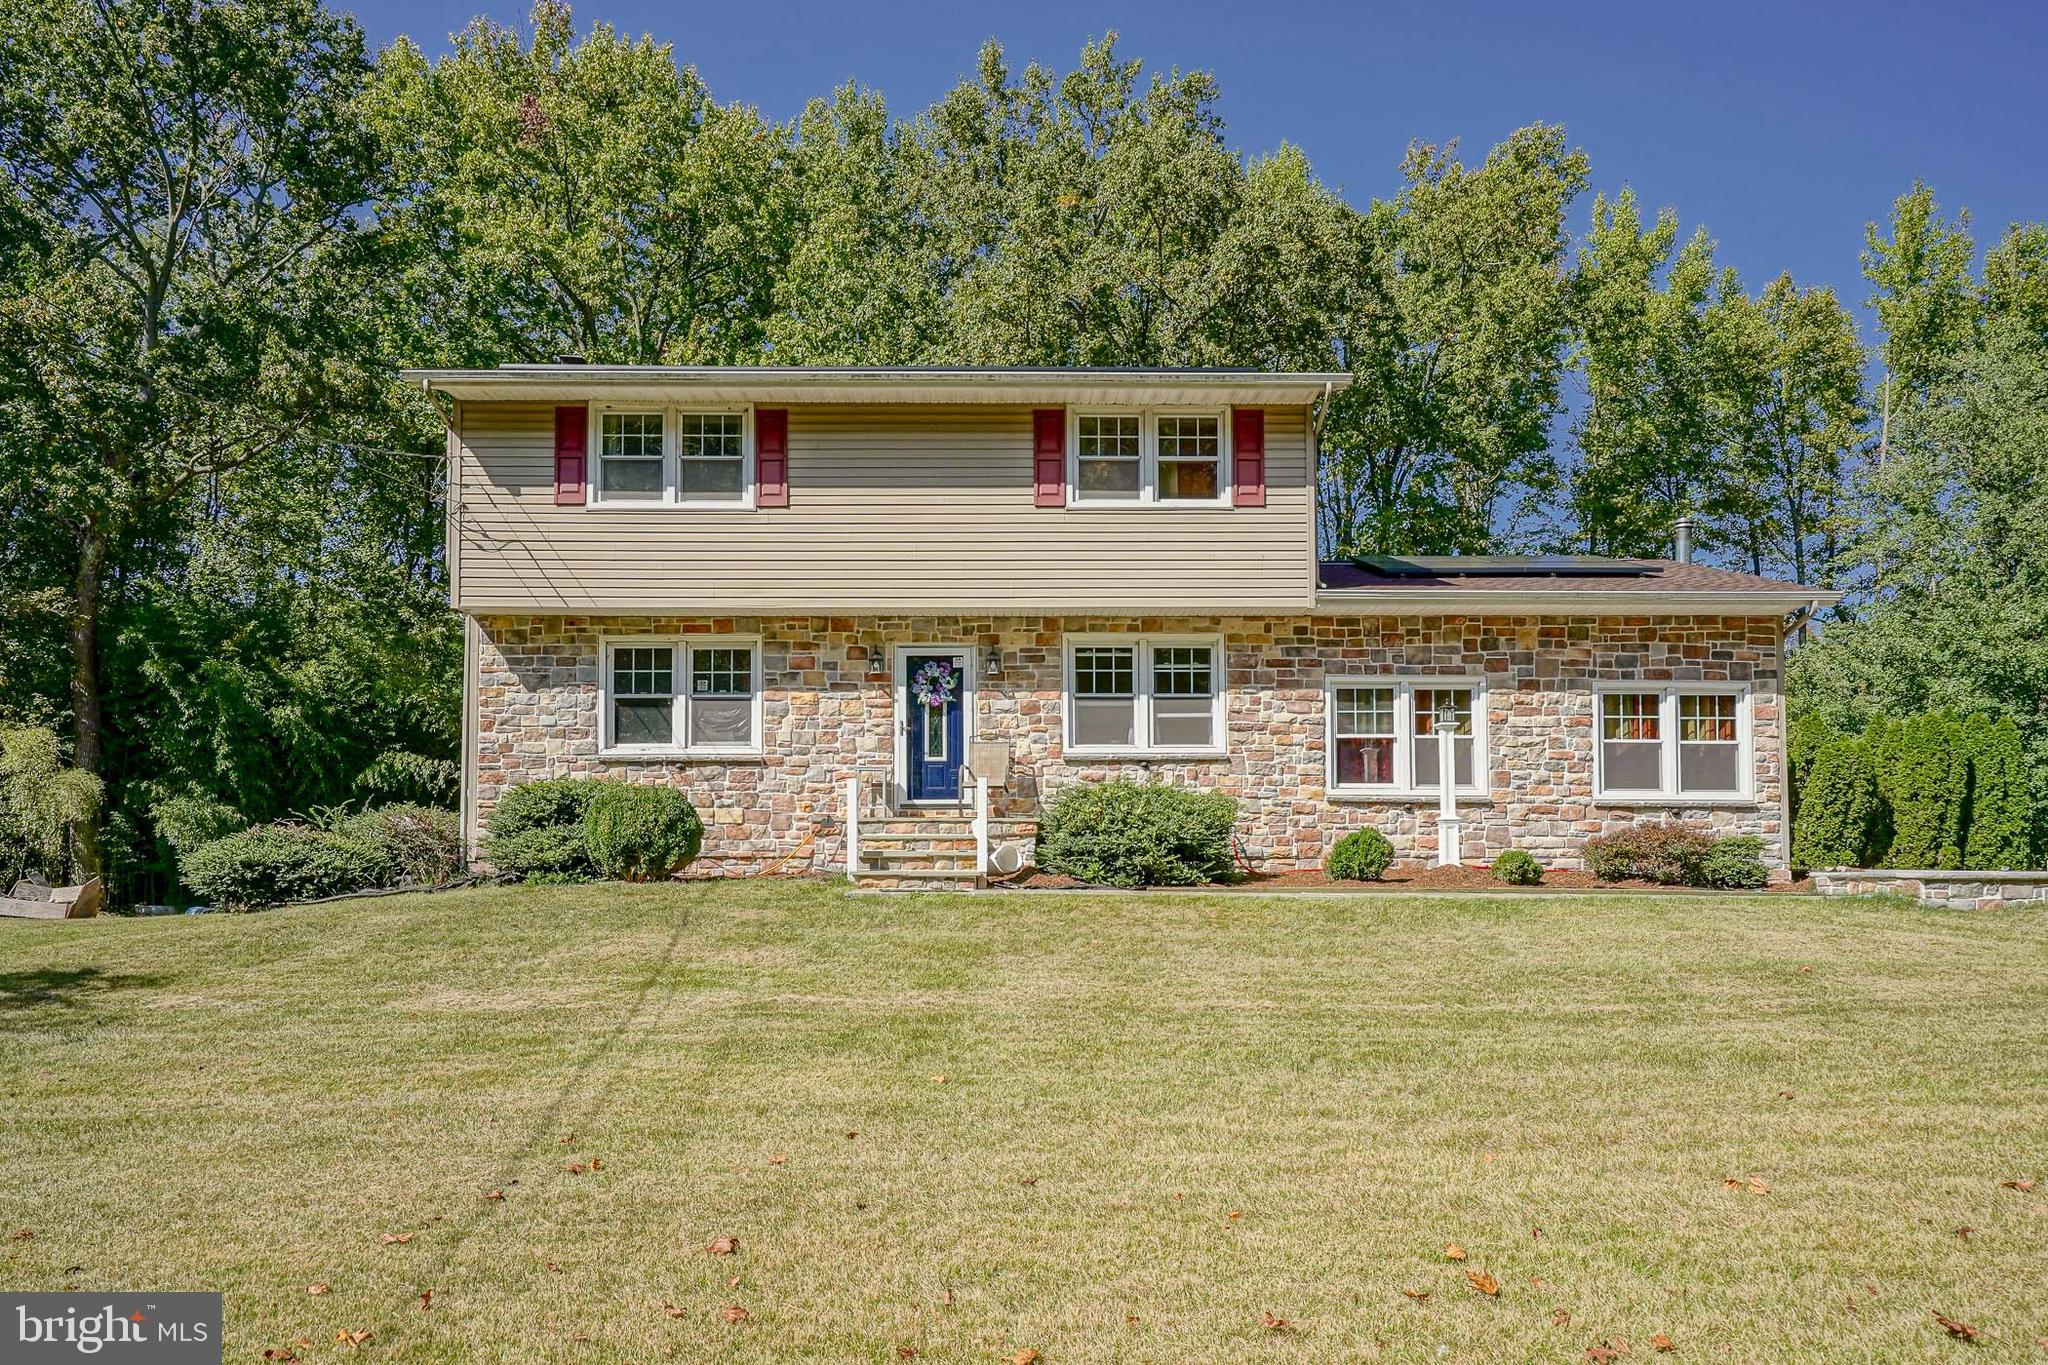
(1571, 582)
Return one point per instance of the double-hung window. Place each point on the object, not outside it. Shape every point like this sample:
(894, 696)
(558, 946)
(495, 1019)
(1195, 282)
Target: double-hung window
(1385, 735)
(688, 697)
(1674, 742)
(675, 457)
(1136, 696)
(1169, 458)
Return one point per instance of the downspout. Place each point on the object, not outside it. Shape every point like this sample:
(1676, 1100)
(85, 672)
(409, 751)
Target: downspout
(1318, 413)
(1789, 628)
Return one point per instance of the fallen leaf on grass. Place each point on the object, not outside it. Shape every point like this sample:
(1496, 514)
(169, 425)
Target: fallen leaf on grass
(1964, 1232)
(1234, 1214)
(1454, 1252)
(1560, 1318)
(723, 1246)
(1027, 1180)
(320, 1288)
(1483, 1282)
(672, 1311)
(1960, 1330)
(575, 1167)
(733, 1283)
(1662, 1343)
(22, 1236)
(946, 1298)
(1754, 1185)
(1416, 1294)
(2023, 1186)
(1273, 1324)
(1130, 1319)
(906, 1353)
(426, 1299)
(852, 1133)
(280, 1354)
(1606, 1351)
(1784, 1094)
(569, 1140)
(732, 1312)
(938, 1080)
(1027, 1356)
(778, 1160)
(353, 1340)
(396, 1239)
(495, 1196)
(1804, 968)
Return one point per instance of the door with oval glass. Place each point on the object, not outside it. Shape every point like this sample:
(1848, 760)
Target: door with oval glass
(934, 733)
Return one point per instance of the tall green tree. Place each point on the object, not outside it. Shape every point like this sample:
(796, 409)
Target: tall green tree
(1455, 330)
(580, 195)
(181, 223)
(1925, 300)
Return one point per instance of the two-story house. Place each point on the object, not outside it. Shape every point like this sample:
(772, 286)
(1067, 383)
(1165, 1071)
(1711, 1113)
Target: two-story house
(869, 619)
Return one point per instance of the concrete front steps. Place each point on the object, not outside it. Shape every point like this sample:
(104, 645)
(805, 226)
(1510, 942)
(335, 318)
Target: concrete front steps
(918, 851)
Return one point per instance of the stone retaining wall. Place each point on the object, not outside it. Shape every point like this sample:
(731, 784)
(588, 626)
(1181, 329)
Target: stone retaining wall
(1956, 890)
(830, 703)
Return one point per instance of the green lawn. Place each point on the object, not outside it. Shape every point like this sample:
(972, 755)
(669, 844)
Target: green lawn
(1160, 1120)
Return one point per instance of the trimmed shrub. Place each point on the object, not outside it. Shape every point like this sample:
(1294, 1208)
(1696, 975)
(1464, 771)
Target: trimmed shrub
(2001, 813)
(1735, 862)
(1360, 856)
(1929, 775)
(1518, 868)
(1125, 833)
(1840, 821)
(1803, 742)
(1670, 855)
(284, 862)
(536, 829)
(423, 842)
(641, 834)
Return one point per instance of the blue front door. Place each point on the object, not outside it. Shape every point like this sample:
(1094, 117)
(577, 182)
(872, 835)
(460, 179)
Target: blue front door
(935, 728)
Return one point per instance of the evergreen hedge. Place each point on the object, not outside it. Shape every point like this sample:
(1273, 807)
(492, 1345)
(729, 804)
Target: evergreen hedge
(1928, 781)
(1839, 820)
(1125, 833)
(2001, 814)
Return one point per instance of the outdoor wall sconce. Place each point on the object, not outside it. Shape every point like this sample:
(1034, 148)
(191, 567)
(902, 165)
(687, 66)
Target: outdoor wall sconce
(992, 664)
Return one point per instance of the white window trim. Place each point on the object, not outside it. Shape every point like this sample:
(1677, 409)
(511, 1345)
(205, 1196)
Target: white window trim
(1148, 459)
(680, 713)
(1667, 731)
(671, 455)
(1404, 687)
(1141, 702)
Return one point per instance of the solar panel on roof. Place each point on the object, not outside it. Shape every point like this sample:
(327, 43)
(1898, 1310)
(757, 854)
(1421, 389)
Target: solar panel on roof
(1454, 566)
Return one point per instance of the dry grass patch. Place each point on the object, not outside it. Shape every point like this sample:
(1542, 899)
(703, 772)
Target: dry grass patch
(1186, 1129)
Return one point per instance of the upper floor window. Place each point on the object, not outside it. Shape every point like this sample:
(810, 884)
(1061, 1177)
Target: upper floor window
(1138, 696)
(1164, 457)
(700, 697)
(673, 457)
(1385, 735)
(1674, 742)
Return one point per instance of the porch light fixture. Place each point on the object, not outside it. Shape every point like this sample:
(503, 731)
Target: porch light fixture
(992, 664)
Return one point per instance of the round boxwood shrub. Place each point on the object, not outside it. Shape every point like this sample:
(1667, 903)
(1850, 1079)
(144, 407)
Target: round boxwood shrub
(1518, 868)
(1735, 863)
(1125, 833)
(536, 830)
(641, 834)
(1360, 856)
(285, 862)
(1668, 854)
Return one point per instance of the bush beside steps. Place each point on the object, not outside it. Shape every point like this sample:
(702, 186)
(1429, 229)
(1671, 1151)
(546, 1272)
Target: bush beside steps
(1129, 834)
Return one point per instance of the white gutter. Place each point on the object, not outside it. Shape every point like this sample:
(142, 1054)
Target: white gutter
(1495, 601)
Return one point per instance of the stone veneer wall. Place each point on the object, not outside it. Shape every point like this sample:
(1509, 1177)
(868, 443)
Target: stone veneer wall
(1953, 890)
(830, 709)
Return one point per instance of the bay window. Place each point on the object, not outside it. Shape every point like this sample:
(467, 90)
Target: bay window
(1141, 695)
(1149, 458)
(1384, 736)
(1673, 742)
(681, 697)
(672, 457)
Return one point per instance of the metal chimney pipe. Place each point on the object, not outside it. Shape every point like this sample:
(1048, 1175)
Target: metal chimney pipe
(1681, 537)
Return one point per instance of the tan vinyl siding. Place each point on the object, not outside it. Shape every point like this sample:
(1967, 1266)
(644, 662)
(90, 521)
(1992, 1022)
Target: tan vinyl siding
(890, 508)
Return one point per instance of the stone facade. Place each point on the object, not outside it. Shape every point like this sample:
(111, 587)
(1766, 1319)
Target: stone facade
(1951, 890)
(830, 703)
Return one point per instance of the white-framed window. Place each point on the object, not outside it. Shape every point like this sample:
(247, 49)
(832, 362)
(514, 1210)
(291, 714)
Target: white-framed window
(1128, 694)
(1384, 735)
(695, 696)
(1673, 742)
(672, 457)
(1168, 457)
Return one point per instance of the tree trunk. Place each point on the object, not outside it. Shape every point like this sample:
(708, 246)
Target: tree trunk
(87, 717)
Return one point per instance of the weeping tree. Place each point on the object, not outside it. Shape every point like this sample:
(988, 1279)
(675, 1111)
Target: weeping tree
(43, 804)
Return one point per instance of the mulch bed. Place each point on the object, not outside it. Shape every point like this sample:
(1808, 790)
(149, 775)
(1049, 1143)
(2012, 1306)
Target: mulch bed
(1396, 879)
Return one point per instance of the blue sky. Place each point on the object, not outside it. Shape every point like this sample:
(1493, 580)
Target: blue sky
(1783, 128)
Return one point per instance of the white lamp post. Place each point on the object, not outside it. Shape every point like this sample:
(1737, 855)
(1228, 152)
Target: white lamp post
(1449, 825)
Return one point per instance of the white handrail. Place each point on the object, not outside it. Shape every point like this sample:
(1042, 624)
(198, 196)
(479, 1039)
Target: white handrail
(980, 825)
(853, 826)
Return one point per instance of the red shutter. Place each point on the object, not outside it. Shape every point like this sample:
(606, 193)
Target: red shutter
(1248, 457)
(1049, 456)
(572, 440)
(771, 456)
